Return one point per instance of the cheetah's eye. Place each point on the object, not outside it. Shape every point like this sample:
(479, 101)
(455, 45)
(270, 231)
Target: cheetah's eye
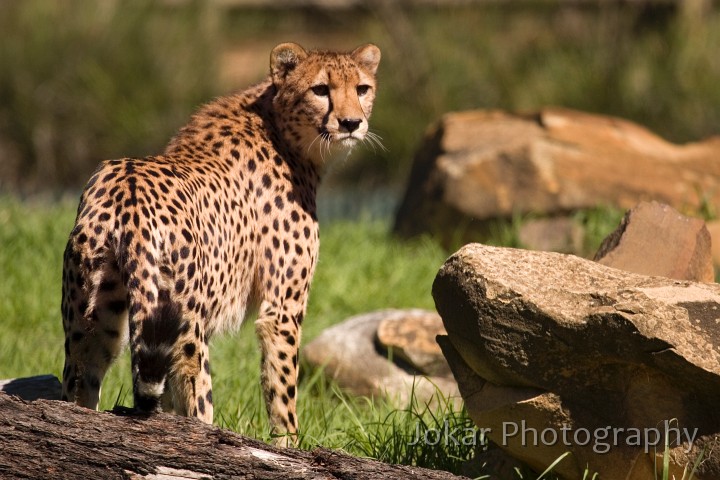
(321, 90)
(362, 89)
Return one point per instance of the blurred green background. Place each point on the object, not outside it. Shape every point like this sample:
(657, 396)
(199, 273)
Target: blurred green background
(86, 80)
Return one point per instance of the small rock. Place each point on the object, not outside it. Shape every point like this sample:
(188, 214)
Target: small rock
(349, 354)
(33, 388)
(655, 239)
(412, 339)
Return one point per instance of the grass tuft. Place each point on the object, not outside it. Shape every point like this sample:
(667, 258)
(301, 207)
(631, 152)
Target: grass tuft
(440, 436)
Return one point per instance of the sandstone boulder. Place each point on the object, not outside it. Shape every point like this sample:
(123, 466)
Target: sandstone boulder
(351, 354)
(656, 239)
(555, 353)
(480, 165)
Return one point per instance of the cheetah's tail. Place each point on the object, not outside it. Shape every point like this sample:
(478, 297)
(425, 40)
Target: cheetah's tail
(152, 354)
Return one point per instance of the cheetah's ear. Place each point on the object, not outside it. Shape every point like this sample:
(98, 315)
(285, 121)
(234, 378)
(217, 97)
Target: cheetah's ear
(283, 59)
(368, 56)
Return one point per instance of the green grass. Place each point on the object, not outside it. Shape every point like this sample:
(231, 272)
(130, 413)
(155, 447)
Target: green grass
(31, 248)
(361, 268)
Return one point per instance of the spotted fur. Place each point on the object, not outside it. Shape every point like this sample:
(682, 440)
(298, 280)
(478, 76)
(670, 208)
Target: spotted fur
(170, 249)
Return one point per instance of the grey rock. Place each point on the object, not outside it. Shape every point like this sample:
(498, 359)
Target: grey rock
(349, 354)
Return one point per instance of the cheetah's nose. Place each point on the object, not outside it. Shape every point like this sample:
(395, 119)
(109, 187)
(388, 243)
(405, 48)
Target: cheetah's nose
(350, 124)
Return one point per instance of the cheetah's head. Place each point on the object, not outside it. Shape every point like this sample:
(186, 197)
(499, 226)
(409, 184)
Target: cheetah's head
(323, 99)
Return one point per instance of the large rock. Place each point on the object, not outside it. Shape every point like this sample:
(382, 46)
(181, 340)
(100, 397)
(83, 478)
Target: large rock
(351, 355)
(577, 350)
(480, 165)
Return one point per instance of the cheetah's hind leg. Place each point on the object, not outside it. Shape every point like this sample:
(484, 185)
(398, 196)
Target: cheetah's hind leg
(94, 314)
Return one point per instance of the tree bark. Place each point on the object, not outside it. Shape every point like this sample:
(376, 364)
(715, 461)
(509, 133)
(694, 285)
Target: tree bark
(51, 439)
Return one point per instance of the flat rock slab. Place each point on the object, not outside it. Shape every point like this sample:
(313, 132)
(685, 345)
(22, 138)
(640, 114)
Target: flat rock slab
(558, 340)
(656, 239)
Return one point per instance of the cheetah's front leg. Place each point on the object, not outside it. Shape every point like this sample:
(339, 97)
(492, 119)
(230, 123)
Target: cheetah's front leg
(278, 330)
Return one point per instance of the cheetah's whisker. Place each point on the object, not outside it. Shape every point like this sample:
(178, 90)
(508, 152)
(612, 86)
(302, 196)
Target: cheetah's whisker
(375, 140)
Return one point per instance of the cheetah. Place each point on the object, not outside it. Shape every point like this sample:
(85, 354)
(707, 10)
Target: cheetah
(168, 250)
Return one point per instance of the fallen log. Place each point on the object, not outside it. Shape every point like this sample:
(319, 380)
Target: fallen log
(51, 439)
